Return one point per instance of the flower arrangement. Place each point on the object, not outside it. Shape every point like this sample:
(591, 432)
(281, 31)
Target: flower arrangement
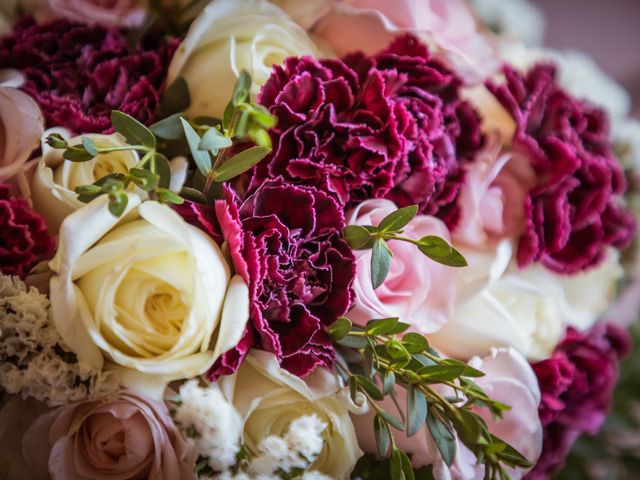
(251, 239)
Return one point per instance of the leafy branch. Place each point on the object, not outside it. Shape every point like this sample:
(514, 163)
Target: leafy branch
(387, 360)
(365, 237)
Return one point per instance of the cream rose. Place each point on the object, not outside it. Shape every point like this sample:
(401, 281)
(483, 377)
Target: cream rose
(269, 398)
(54, 180)
(146, 291)
(500, 305)
(230, 36)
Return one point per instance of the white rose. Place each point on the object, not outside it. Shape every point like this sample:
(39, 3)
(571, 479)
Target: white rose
(230, 36)
(146, 291)
(54, 180)
(500, 305)
(270, 398)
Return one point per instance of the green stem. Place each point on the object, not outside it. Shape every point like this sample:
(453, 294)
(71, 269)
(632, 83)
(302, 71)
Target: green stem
(141, 148)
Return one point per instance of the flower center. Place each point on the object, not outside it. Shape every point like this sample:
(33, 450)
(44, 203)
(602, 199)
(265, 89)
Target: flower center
(165, 311)
(108, 163)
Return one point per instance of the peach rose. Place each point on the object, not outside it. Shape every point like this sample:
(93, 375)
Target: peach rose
(418, 290)
(124, 436)
(368, 25)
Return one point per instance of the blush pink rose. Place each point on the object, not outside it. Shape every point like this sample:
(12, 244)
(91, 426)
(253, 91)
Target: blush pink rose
(508, 379)
(492, 198)
(417, 290)
(21, 125)
(369, 25)
(112, 13)
(125, 436)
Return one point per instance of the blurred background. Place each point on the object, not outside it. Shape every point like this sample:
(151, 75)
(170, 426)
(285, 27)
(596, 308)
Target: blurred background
(608, 30)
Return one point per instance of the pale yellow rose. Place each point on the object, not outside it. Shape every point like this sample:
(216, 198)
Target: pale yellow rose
(269, 398)
(147, 292)
(230, 36)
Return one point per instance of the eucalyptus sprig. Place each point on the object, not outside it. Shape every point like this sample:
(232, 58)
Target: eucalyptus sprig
(365, 237)
(386, 360)
(152, 173)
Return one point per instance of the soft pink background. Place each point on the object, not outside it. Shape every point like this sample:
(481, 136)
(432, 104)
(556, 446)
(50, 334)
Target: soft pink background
(609, 30)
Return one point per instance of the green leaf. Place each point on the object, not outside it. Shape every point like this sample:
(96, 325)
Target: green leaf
(369, 387)
(392, 420)
(213, 141)
(368, 361)
(340, 329)
(441, 373)
(416, 410)
(398, 219)
(77, 154)
(86, 193)
(357, 236)
(443, 437)
(169, 128)
(383, 435)
(399, 328)
(163, 169)
(381, 326)
(261, 137)
(240, 163)
(469, 425)
(144, 179)
(242, 127)
(352, 341)
(438, 250)
(227, 116)
(175, 98)
(380, 262)
(192, 194)
(388, 381)
(202, 158)
(241, 89)
(90, 146)
(134, 131)
(510, 455)
(469, 371)
(407, 468)
(415, 343)
(263, 117)
(353, 389)
(397, 472)
(118, 203)
(55, 140)
(167, 196)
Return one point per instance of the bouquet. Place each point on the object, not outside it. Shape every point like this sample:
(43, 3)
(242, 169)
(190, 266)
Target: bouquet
(306, 240)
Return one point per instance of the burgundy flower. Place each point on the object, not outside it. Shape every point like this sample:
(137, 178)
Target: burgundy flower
(24, 240)
(441, 131)
(78, 73)
(573, 211)
(334, 132)
(286, 243)
(576, 385)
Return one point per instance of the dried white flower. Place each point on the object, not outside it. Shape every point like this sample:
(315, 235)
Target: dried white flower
(33, 358)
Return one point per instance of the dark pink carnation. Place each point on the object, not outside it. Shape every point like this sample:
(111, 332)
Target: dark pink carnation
(24, 240)
(576, 385)
(79, 73)
(441, 131)
(573, 211)
(286, 243)
(334, 132)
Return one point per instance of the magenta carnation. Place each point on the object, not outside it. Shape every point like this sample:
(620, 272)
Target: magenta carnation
(441, 131)
(79, 73)
(286, 243)
(573, 212)
(576, 384)
(334, 132)
(24, 240)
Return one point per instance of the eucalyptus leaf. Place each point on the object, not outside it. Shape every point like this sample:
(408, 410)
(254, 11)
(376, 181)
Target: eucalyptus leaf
(340, 329)
(169, 128)
(77, 154)
(163, 169)
(416, 410)
(131, 129)
(90, 146)
(380, 262)
(240, 163)
(398, 219)
(382, 434)
(202, 158)
(357, 236)
(443, 437)
(213, 141)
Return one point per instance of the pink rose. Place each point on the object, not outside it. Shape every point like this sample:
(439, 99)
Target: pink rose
(21, 125)
(417, 290)
(369, 25)
(112, 13)
(492, 198)
(508, 379)
(125, 436)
